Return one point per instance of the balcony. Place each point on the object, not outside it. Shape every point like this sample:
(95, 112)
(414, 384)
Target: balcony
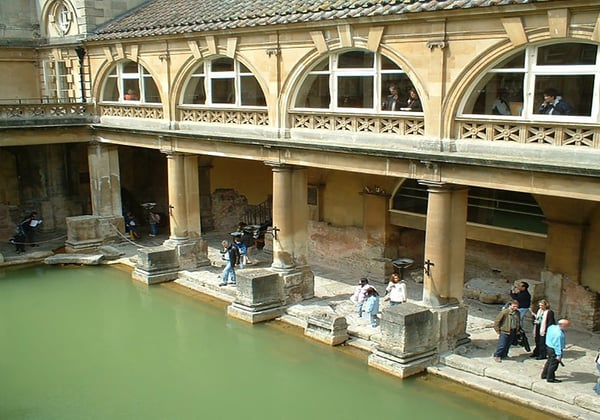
(43, 113)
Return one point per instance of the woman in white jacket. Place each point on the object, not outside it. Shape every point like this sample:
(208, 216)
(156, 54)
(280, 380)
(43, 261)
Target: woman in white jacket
(396, 289)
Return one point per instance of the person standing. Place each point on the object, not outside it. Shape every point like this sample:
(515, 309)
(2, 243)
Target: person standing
(131, 226)
(397, 290)
(153, 220)
(521, 294)
(359, 295)
(29, 225)
(372, 304)
(242, 249)
(393, 101)
(542, 319)
(230, 255)
(597, 386)
(506, 325)
(555, 344)
(554, 104)
(413, 103)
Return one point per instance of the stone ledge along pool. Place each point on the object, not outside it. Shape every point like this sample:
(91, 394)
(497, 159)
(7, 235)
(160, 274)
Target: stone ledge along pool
(90, 343)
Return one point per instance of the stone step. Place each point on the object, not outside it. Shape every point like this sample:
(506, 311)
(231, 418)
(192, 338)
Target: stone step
(564, 399)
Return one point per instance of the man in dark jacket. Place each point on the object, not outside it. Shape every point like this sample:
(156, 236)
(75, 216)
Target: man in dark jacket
(506, 325)
(521, 294)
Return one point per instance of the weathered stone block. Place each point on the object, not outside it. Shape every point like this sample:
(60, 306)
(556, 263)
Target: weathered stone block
(259, 297)
(156, 265)
(451, 326)
(327, 328)
(298, 285)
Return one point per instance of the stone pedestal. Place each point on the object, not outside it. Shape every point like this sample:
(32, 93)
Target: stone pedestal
(156, 265)
(259, 297)
(409, 340)
(191, 253)
(413, 336)
(86, 233)
(298, 284)
(327, 328)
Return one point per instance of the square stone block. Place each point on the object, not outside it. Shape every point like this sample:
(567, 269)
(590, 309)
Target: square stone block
(408, 329)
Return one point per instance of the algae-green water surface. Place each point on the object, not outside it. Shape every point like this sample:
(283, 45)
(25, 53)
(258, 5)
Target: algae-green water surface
(89, 343)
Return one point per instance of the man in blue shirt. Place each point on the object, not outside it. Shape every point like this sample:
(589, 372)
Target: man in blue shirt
(555, 343)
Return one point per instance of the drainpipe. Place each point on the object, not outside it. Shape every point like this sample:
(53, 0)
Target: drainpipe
(80, 55)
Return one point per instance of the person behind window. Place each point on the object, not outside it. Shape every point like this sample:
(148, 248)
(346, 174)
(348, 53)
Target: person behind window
(131, 95)
(393, 101)
(554, 104)
(413, 103)
(501, 105)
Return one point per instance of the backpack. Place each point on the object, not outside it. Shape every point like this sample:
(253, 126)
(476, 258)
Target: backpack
(234, 255)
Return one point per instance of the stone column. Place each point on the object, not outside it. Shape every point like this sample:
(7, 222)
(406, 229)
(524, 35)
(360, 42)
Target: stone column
(105, 189)
(184, 211)
(445, 241)
(290, 226)
(283, 218)
(177, 200)
(105, 179)
(564, 248)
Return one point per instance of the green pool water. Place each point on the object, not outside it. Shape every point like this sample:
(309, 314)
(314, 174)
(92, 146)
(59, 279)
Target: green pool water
(89, 343)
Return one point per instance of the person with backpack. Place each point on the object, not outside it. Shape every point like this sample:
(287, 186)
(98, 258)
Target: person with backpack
(231, 255)
(243, 250)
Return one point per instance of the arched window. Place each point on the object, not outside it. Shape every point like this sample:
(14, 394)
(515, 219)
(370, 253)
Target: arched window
(547, 82)
(357, 81)
(223, 82)
(130, 82)
(506, 209)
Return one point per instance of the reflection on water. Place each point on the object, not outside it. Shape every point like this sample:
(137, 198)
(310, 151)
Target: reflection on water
(89, 343)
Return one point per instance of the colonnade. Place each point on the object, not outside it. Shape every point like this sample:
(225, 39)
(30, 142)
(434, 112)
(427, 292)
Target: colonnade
(445, 230)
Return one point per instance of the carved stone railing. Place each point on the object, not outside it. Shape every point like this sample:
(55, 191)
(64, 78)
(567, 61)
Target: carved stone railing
(556, 134)
(154, 112)
(258, 117)
(377, 124)
(45, 114)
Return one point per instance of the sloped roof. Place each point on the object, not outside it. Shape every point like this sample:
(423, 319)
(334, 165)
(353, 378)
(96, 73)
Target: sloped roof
(171, 17)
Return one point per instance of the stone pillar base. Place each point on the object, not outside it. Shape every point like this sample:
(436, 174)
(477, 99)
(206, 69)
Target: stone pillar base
(298, 284)
(402, 367)
(259, 297)
(451, 326)
(191, 253)
(87, 233)
(156, 265)
(327, 328)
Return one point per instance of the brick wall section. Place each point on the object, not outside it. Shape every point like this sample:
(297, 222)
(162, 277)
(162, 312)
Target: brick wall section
(581, 306)
(228, 207)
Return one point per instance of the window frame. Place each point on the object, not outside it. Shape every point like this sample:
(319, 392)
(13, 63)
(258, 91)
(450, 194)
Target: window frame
(208, 75)
(531, 72)
(335, 73)
(141, 75)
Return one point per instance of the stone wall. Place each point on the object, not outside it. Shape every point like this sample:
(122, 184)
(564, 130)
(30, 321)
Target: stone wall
(489, 260)
(348, 248)
(228, 208)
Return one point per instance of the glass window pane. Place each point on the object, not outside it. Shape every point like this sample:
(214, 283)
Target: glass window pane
(130, 67)
(323, 65)
(355, 92)
(252, 94)
(195, 92)
(111, 91)
(222, 64)
(402, 84)
(569, 53)
(497, 94)
(314, 92)
(387, 64)
(244, 69)
(576, 94)
(223, 91)
(356, 60)
(131, 87)
(411, 197)
(151, 94)
(199, 69)
(513, 62)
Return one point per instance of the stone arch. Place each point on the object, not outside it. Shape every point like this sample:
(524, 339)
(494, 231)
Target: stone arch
(108, 65)
(483, 62)
(59, 19)
(183, 75)
(297, 75)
